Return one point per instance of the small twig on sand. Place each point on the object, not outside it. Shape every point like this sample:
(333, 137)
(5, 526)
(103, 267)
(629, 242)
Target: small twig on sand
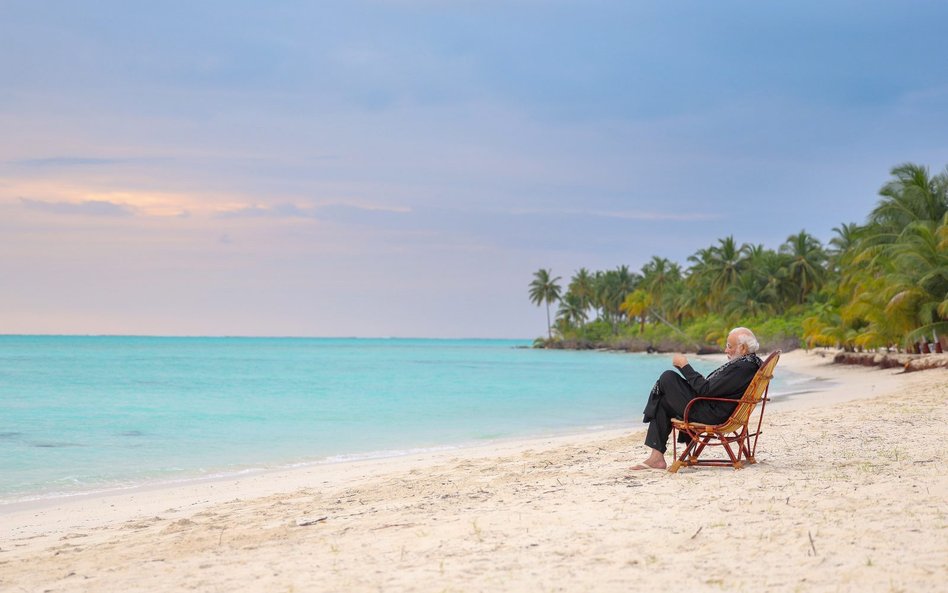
(697, 532)
(304, 521)
(220, 537)
(813, 547)
(393, 525)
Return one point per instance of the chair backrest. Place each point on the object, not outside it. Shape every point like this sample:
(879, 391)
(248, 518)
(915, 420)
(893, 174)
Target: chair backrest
(754, 393)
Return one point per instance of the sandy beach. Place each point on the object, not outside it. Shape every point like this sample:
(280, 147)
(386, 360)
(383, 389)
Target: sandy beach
(850, 494)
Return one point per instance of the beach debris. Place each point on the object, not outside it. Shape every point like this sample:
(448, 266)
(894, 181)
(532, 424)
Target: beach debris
(908, 362)
(812, 546)
(389, 525)
(304, 521)
(697, 532)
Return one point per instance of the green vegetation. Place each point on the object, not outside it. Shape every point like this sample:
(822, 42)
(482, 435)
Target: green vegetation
(880, 284)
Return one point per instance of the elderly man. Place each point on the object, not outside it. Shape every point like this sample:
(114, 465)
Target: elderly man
(672, 393)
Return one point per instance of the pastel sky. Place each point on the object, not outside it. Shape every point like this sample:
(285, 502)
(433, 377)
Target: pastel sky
(402, 167)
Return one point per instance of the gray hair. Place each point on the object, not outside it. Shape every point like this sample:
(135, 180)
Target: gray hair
(746, 337)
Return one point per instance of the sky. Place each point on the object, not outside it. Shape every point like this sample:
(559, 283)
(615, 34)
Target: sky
(378, 168)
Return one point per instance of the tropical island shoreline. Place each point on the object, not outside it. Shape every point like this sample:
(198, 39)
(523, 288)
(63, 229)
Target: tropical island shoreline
(875, 287)
(832, 503)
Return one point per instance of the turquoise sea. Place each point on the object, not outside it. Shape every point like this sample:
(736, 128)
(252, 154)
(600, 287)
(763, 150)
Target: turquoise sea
(80, 414)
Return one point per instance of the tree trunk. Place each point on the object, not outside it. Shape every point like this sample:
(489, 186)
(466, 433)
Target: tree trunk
(549, 331)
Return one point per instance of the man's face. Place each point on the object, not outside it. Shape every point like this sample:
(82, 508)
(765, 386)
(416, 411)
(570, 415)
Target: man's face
(733, 349)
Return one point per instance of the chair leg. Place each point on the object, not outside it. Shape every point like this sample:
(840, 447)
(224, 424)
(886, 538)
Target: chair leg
(681, 459)
(735, 460)
(745, 449)
(699, 447)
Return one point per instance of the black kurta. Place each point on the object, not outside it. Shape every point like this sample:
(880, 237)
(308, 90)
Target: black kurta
(672, 392)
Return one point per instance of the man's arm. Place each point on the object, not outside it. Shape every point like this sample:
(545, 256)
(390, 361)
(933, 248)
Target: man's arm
(731, 382)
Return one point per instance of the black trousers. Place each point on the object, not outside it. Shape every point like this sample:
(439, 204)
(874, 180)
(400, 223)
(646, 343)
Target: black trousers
(668, 400)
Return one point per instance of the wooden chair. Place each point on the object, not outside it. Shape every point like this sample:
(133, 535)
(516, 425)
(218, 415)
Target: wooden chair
(733, 435)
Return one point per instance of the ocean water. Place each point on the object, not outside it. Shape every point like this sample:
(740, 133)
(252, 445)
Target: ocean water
(81, 414)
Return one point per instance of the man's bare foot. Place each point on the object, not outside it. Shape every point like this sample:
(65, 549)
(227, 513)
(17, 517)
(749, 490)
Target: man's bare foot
(639, 466)
(656, 460)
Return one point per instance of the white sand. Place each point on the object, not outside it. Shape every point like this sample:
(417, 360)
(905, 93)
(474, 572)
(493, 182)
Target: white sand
(850, 494)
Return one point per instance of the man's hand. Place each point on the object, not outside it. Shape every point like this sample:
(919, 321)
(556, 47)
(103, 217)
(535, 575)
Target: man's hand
(679, 360)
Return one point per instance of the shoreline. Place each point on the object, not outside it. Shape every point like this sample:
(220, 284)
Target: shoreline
(12, 502)
(461, 508)
(821, 382)
(31, 501)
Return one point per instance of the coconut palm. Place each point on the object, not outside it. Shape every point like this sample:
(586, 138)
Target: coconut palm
(681, 302)
(625, 281)
(722, 267)
(699, 280)
(571, 310)
(806, 265)
(611, 287)
(819, 328)
(744, 298)
(582, 284)
(543, 288)
(843, 247)
(763, 281)
(657, 276)
(845, 239)
(636, 305)
(893, 271)
(912, 196)
(918, 283)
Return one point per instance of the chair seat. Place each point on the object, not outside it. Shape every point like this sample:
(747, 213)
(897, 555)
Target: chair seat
(693, 425)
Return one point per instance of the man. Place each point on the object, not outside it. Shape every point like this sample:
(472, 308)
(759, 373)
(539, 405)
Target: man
(672, 392)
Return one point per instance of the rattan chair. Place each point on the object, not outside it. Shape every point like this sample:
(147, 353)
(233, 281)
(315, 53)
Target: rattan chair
(733, 435)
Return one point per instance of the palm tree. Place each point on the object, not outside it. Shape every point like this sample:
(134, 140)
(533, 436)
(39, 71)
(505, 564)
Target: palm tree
(681, 301)
(744, 298)
(816, 326)
(770, 271)
(807, 259)
(657, 276)
(571, 310)
(912, 196)
(843, 247)
(845, 239)
(891, 279)
(636, 304)
(625, 281)
(611, 287)
(918, 283)
(699, 281)
(582, 285)
(544, 289)
(725, 263)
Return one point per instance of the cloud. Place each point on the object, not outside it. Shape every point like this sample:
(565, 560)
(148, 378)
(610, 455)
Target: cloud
(275, 211)
(66, 162)
(335, 211)
(626, 215)
(99, 208)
